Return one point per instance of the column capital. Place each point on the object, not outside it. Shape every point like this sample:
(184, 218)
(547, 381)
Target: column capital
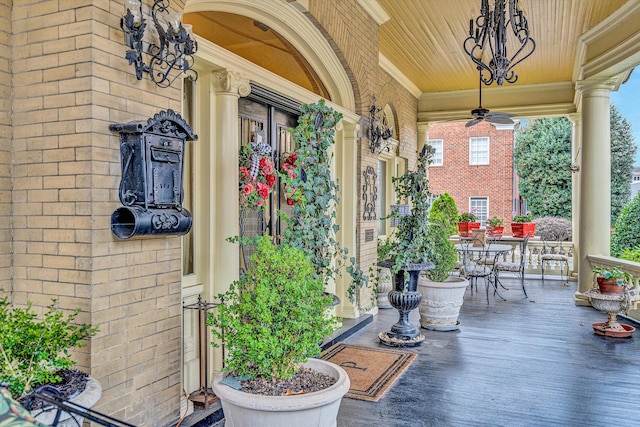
(595, 84)
(424, 127)
(230, 82)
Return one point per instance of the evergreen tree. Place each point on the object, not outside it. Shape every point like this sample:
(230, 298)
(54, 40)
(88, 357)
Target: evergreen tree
(623, 152)
(542, 154)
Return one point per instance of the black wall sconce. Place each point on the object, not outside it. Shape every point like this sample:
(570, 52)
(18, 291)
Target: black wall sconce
(151, 190)
(379, 133)
(175, 48)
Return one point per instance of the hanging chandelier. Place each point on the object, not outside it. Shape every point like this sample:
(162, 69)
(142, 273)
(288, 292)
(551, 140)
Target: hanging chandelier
(491, 34)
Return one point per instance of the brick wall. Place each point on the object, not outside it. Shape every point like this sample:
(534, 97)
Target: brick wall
(5, 146)
(355, 37)
(70, 81)
(462, 180)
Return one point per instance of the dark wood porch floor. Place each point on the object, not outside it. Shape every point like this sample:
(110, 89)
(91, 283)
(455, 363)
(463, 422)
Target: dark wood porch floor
(520, 362)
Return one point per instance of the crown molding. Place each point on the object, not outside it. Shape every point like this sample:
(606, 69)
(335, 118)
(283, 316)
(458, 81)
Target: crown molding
(373, 8)
(398, 76)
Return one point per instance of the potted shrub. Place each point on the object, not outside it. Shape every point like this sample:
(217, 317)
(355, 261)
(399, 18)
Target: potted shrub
(611, 280)
(445, 204)
(442, 293)
(495, 226)
(467, 221)
(35, 352)
(271, 324)
(521, 225)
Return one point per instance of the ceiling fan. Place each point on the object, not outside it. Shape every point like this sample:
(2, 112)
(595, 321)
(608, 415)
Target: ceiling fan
(479, 114)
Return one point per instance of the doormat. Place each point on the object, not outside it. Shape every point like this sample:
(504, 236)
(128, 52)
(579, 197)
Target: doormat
(371, 370)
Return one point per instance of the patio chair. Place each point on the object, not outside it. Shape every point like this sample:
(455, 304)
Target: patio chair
(471, 268)
(514, 267)
(552, 252)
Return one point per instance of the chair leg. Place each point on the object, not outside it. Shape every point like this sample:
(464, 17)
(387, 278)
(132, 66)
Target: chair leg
(542, 267)
(522, 283)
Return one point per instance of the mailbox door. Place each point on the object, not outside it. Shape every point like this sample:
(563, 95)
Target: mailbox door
(164, 170)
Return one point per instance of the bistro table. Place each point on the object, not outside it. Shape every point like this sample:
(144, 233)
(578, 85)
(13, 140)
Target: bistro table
(491, 248)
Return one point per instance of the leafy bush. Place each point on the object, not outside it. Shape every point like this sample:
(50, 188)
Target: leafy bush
(275, 316)
(631, 254)
(447, 205)
(443, 251)
(616, 273)
(31, 350)
(627, 229)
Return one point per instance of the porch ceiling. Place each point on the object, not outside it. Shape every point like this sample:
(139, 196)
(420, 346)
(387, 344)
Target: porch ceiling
(421, 42)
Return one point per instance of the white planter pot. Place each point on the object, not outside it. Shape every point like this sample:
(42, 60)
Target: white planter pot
(310, 410)
(441, 302)
(385, 284)
(88, 398)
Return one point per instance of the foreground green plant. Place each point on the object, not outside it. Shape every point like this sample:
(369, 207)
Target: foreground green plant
(32, 350)
(607, 273)
(275, 316)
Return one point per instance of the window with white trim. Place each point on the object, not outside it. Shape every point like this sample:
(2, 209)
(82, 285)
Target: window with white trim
(479, 150)
(436, 157)
(479, 205)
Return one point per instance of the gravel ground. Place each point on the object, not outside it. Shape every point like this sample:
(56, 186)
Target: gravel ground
(305, 381)
(73, 383)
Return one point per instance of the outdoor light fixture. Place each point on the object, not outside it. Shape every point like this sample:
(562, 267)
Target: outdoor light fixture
(488, 42)
(171, 48)
(379, 132)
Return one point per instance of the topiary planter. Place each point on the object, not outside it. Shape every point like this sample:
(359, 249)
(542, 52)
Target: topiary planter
(464, 228)
(441, 303)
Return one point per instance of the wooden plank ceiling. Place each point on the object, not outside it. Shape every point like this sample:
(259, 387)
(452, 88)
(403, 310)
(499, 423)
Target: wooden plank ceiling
(423, 39)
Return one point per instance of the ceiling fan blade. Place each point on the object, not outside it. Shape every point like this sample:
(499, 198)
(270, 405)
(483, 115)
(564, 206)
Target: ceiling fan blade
(499, 114)
(472, 122)
(500, 120)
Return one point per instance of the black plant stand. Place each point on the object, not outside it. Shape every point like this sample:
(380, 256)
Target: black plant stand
(403, 333)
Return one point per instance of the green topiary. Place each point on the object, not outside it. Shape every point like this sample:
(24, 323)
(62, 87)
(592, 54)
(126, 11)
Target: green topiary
(32, 350)
(275, 316)
(447, 206)
(631, 254)
(443, 252)
(627, 228)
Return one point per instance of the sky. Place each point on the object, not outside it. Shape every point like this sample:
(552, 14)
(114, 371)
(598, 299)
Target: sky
(626, 99)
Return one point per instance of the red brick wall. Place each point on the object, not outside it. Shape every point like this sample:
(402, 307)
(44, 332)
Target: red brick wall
(462, 180)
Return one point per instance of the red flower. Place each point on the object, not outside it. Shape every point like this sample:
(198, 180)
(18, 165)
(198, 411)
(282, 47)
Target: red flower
(263, 190)
(244, 172)
(248, 188)
(271, 180)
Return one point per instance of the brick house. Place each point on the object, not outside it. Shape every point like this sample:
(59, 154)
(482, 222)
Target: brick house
(475, 166)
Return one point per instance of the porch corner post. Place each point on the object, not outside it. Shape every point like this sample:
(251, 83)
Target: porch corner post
(576, 156)
(594, 213)
(225, 210)
(423, 135)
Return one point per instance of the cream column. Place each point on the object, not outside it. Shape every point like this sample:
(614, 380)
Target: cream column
(346, 150)
(423, 134)
(594, 213)
(225, 211)
(576, 155)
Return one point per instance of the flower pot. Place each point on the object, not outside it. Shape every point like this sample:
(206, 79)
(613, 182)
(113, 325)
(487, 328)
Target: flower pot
(91, 394)
(498, 230)
(464, 228)
(384, 286)
(317, 409)
(609, 286)
(441, 302)
(522, 229)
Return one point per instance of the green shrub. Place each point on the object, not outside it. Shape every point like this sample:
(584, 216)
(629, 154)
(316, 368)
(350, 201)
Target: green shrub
(32, 350)
(631, 254)
(627, 228)
(275, 316)
(447, 206)
(443, 251)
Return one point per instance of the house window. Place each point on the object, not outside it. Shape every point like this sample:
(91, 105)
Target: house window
(481, 206)
(479, 151)
(436, 157)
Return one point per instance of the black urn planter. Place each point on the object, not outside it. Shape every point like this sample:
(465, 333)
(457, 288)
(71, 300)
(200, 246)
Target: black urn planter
(404, 298)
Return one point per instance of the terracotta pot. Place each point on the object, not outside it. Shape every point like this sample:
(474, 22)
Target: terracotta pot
(495, 231)
(521, 229)
(608, 286)
(464, 228)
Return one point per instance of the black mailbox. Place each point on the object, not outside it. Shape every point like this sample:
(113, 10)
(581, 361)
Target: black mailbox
(152, 157)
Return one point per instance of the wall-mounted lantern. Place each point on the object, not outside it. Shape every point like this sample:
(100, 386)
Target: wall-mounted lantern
(152, 158)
